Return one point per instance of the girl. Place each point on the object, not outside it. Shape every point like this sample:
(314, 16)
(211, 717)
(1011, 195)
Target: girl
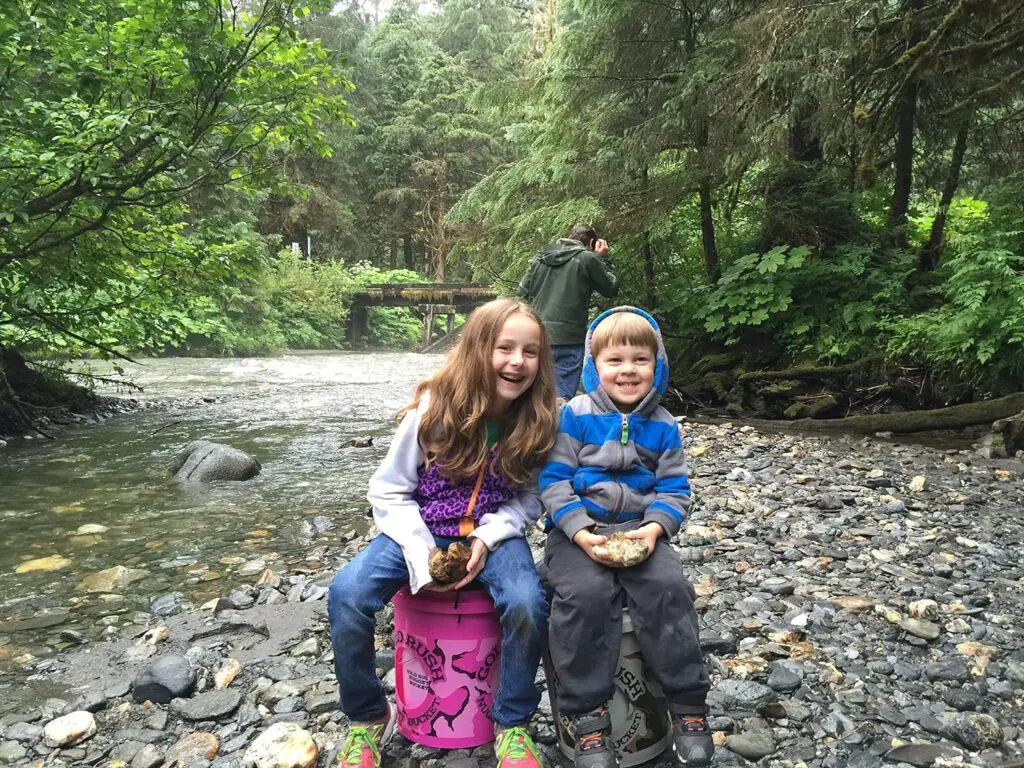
(462, 466)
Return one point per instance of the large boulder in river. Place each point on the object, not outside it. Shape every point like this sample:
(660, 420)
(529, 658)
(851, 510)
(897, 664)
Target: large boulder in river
(204, 462)
(1007, 437)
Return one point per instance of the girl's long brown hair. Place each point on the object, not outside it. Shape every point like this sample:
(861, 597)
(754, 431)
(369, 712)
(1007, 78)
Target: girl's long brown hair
(453, 429)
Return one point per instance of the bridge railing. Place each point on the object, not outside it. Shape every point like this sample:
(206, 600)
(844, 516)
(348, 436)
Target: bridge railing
(461, 295)
(430, 300)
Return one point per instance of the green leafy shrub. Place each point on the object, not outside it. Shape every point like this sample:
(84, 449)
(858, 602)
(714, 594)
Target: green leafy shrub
(978, 330)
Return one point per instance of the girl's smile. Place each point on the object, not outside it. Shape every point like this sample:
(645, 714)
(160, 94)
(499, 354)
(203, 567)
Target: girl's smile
(515, 359)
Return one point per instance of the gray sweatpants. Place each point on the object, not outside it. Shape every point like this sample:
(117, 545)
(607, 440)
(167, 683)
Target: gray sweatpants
(585, 625)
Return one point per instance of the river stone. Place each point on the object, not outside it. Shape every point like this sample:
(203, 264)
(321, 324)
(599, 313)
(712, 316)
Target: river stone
(114, 579)
(203, 462)
(281, 690)
(852, 603)
(952, 670)
(147, 757)
(90, 701)
(963, 699)
(168, 604)
(784, 677)
(323, 524)
(777, 585)
(11, 752)
(91, 529)
(741, 694)
(920, 628)
(976, 731)
(920, 755)
(752, 745)
(169, 677)
(192, 747)
(830, 502)
(282, 745)
(23, 732)
(51, 563)
(40, 621)
(212, 705)
(235, 600)
(892, 715)
(308, 647)
(125, 752)
(68, 730)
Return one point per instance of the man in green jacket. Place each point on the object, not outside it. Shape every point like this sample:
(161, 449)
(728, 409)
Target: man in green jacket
(558, 285)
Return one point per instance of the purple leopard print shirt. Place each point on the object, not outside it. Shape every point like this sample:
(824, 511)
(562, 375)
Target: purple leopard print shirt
(442, 504)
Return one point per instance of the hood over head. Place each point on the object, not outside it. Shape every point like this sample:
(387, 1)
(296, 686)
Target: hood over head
(558, 253)
(592, 382)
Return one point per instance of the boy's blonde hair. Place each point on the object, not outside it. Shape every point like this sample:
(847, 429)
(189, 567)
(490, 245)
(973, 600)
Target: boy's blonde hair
(453, 428)
(623, 328)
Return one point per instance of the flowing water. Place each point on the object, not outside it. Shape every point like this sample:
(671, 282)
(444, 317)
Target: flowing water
(295, 413)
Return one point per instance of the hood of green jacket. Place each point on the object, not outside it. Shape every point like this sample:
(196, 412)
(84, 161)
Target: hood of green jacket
(558, 253)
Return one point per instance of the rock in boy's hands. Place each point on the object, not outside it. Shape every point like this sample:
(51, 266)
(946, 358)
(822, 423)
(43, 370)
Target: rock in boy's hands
(587, 540)
(648, 533)
(477, 559)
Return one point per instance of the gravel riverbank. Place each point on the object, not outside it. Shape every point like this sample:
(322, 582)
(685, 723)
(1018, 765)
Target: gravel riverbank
(861, 604)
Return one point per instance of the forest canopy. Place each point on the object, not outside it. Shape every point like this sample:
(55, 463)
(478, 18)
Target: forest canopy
(783, 183)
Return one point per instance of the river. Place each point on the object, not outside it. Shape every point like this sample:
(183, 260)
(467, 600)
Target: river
(295, 413)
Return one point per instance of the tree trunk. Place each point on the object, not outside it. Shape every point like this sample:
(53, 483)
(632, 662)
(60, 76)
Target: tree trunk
(903, 161)
(803, 143)
(906, 117)
(408, 259)
(442, 262)
(707, 230)
(648, 253)
(931, 252)
(394, 252)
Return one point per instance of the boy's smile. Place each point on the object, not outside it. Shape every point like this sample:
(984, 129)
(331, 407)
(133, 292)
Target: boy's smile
(626, 373)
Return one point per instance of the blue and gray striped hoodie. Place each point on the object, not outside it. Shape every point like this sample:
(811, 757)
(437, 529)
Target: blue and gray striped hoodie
(609, 467)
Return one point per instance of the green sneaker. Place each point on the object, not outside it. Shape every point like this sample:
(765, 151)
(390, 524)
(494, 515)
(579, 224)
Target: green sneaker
(515, 748)
(365, 741)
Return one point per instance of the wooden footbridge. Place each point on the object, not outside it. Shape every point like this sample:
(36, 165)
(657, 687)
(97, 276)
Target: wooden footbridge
(429, 300)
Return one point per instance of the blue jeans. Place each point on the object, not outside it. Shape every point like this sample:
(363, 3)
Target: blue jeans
(568, 368)
(365, 585)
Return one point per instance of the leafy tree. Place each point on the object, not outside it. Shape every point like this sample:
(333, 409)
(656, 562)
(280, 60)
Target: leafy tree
(113, 113)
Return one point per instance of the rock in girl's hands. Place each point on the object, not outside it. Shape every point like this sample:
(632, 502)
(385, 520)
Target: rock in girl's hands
(477, 559)
(449, 566)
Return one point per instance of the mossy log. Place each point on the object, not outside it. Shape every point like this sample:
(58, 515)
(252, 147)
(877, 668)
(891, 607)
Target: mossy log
(953, 417)
(805, 372)
(708, 363)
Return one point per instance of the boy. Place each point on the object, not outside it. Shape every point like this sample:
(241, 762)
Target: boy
(618, 465)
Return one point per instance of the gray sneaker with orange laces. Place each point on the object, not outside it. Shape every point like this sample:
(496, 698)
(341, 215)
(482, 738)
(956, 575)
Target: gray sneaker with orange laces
(593, 734)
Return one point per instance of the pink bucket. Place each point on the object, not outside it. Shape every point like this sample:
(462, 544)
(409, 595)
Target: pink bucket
(446, 667)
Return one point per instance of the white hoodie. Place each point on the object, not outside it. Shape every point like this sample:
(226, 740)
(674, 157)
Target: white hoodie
(397, 514)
